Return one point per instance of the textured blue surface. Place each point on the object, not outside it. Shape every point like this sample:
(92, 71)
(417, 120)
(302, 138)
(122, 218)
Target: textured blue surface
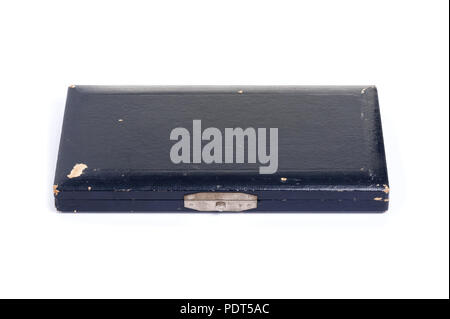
(331, 152)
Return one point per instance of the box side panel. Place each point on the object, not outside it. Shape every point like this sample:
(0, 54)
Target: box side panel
(263, 206)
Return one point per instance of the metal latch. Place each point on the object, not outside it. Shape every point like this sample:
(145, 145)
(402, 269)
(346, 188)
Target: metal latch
(220, 202)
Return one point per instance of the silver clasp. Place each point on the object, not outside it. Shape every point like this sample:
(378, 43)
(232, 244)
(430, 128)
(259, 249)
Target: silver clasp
(220, 202)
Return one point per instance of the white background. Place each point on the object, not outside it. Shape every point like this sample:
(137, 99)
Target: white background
(400, 46)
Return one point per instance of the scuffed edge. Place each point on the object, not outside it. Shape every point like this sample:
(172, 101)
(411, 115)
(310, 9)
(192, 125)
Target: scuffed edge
(55, 190)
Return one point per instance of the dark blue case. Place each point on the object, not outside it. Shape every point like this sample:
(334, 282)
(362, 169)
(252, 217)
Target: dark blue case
(267, 149)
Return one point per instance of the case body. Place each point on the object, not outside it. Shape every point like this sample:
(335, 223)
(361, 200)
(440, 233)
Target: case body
(115, 149)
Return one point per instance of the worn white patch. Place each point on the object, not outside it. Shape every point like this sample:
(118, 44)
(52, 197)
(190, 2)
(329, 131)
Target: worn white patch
(364, 90)
(77, 170)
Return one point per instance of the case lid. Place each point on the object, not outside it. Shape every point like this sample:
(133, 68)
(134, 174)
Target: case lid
(166, 142)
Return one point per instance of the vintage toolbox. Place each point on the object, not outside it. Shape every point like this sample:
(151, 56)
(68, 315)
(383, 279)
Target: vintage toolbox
(221, 149)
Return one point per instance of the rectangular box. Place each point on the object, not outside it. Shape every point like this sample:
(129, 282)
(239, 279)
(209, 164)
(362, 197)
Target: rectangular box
(268, 149)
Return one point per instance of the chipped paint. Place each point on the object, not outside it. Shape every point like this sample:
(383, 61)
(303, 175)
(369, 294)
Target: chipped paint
(77, 170)
(240, 91)
(72, 86)
(378, 198)
(120, 120)
(386, 189)
(283, 179)
(89, 188)
(365, 89)
(55, 190)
